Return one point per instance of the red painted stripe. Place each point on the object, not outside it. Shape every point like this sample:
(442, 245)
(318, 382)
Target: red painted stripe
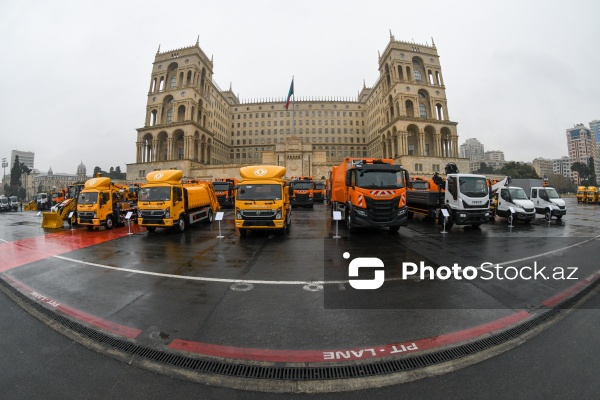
(554, 300)
(97, 322)
(21, 252)
(346, 354)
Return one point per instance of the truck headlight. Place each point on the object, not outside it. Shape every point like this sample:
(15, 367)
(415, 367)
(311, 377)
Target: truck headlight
(360, 212)
(238, 214)
(95, 216)
(278, 213)
(168, 213)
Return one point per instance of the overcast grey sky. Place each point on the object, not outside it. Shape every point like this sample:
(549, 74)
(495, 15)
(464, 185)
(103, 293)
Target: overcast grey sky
(75, 74)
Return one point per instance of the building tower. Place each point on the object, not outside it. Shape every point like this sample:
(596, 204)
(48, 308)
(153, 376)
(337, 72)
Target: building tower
(581, 147)
(82, 172)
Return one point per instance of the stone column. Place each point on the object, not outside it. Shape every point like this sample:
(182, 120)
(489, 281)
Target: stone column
(421, 143)
(154, 155)
(138, 154)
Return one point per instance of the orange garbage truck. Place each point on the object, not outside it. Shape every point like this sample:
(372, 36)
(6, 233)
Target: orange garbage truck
(370, 192)
(302, 192)
(165, 202)
(225, 190)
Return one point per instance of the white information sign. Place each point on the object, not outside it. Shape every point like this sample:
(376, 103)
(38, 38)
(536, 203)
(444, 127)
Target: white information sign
(337, 215)
(219, 216)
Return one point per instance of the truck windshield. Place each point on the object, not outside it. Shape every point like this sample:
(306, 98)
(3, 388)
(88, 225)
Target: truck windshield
(517, 194)
(4, 200)
(87, 198)
(319, 186)
(221, 186)
(259, 192)
(552, 193)
(13, 199)
(374, 179)
(302, 185)
(473, 186)
(161, 193)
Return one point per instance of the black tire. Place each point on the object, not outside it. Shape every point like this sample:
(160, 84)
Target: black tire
(210, 217)
(109, 223)
(477, 225)
(181, 223)
(548, 215)
(350, 221)
(151, 228)
(559, 217)
(243, 232)
(410, 214)
(394, 229)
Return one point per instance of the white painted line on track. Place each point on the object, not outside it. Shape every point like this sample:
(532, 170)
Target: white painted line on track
(310, 284)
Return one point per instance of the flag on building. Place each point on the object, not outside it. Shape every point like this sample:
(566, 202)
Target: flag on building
(290, 93)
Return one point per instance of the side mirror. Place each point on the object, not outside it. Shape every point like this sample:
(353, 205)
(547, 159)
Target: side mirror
(349, 178)
(407, 181)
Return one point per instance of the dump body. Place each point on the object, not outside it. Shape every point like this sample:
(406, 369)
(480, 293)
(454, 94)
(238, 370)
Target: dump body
(370, 192)
(101, 203)
(302, 192)
(262, 199)
(165, 202)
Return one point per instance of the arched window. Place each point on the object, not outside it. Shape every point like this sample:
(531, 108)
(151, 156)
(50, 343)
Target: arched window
(174, 81)
(169, 115)
(422, 110)
(418, 77)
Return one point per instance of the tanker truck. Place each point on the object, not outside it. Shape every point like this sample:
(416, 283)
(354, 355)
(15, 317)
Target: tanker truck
(164, 201)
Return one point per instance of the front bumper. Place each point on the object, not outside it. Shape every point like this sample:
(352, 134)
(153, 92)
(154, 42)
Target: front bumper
(365, 218)
(466, 217)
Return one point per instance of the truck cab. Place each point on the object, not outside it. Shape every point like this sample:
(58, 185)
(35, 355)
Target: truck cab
(466, 199)
(42, 201)
(581, 194)
(592, 195)
(225, 191)
(548, 202)
(262, 200)
(4, 203)
(319, 192)
(14, 203)
(100, 203)
(302, 192)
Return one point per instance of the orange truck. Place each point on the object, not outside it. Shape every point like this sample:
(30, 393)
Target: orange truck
(166, 202)
(319, 192)
(370, 192)
(102, 203)
(302, 192)
(225, 191)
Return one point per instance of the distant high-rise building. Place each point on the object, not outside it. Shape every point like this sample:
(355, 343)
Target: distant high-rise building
(25, 157)
(472, 149)
(581, 145)
(562, 166)
(595, 128)
(543, 167)
(494, 155)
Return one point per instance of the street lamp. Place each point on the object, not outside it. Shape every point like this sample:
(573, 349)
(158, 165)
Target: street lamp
(4, 165)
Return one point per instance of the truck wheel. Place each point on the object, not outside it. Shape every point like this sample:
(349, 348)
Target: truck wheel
(242, 232)
(475, 225)
(394, 229)
(548, 215)
(181, 224)
(350, 222)
(210, 217)
(109, 222)
(150, 228)
(559, 217)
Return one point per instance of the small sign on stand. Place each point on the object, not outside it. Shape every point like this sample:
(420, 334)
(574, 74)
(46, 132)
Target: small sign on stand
(511, 217)
(71, 220)
(219, 217)
(337, 216)
(446, 216)
(38, 214)
(128, 219)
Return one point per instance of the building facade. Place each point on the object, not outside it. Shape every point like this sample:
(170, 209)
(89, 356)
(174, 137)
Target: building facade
(562, 166)
(25, 157)
(472, 149)
(543, 167)
(582, 147)
(193, 125)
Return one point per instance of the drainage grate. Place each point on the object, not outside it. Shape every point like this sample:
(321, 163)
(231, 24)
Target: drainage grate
(302, 373)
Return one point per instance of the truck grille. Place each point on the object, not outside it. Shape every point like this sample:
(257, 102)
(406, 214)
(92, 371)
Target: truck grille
(302, 199)
(258, 223)
(528, 210)
(153, 216)
(382, 210)
(260, 215)
(86, 214)
(483, 205)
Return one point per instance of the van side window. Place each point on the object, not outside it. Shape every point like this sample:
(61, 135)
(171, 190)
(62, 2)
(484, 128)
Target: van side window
(534, 193)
